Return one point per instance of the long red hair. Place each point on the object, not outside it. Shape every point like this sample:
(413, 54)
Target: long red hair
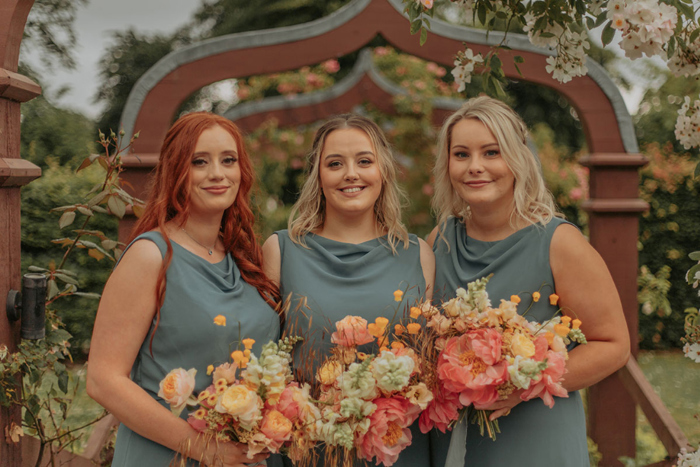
(170, 197)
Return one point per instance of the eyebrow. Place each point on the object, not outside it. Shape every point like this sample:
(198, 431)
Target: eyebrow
(482, 147)
(361, 153)
(232, 152)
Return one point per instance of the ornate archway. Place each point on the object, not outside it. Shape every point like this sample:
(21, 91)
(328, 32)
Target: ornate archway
(613, 206)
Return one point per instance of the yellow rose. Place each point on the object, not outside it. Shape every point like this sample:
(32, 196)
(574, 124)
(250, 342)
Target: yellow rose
(523, 346)
(329, 372)
(241, 403)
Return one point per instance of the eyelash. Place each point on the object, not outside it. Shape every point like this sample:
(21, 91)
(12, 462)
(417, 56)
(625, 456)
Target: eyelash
(227, 161)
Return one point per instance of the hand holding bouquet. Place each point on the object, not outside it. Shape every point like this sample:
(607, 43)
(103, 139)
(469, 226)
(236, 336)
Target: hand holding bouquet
(368, 402)
(251, 400)
(484, 354)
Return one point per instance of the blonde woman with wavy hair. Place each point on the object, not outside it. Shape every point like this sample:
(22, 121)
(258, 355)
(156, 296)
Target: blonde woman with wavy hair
(495, 216)
(346, 250)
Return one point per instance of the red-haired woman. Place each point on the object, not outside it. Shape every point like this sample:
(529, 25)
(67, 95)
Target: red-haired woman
(193, 257)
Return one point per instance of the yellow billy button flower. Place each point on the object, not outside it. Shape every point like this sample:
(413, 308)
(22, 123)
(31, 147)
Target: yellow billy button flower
(210, 370)
(535, 296)
(220, 320)
(413, 328)
(415, 312)
(220, 383)
(398, 295)
(204, 395)
(515, 299)
(575, 324)
(200, 414)
(361, 356)
(553, 299)
(561, 329)
(211, 400)
(398, 329)
(248, 343)
(566, 320)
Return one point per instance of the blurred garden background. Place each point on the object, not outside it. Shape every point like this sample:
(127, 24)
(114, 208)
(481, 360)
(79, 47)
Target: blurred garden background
(57, 137)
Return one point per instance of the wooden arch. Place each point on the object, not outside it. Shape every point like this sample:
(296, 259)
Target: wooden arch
(613, 206)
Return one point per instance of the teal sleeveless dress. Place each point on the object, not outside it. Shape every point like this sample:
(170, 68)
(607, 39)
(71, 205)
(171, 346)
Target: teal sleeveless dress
(339, 279)
(532, 435)
(196, 292)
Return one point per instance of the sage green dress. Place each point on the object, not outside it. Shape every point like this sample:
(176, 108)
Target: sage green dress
(338, 279)
(532, 435)
(196, 292)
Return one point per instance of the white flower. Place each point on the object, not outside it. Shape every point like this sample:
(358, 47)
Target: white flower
(692, 351)
(357, 381)
(615, 7)
(354, 407)
(523, 370)
(688, 124)
(688, 459)
(391, 372)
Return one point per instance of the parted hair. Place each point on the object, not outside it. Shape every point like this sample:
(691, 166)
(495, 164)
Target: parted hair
(309, 212)
(169, 197)
(533, 202)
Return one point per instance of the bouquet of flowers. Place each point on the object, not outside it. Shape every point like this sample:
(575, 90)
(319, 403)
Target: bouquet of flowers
(251, 400)
(368, 402)
(483, 354)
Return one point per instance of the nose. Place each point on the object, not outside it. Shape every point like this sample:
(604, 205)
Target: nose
(216, 170)
(351, 172)
(476, 165)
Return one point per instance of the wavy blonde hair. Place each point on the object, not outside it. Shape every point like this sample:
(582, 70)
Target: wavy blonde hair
(532, 200)
(309, 212)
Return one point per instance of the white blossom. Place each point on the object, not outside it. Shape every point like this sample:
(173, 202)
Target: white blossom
(391, 372)
(692, 351)
(688, 459)
(688, 124)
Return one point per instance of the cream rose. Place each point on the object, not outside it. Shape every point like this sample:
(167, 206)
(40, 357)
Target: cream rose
(177, 387)
(241, 403)
(521, 345)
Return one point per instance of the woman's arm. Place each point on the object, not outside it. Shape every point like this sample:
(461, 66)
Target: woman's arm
(586, 291)
(431, 237)
(121, 326)
(272, 258)
(427, 262)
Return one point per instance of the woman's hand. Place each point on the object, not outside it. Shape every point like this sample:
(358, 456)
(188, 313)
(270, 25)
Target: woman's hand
(231, 454)
(503, 407)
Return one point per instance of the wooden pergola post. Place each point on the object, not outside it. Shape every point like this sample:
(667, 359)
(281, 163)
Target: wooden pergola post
(14, 173)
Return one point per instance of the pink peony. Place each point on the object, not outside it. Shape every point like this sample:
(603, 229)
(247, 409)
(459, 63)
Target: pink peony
(388, 432)
(541, 348)
(352, 331)
(471, 365)
(287, 404)
(443, 409)
(549, 383)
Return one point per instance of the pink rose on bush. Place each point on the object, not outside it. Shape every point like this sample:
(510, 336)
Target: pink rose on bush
(443, 409)
(388, 432)
(351, 332)
(549, 382)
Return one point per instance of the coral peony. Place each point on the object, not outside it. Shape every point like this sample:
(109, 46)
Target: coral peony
(549, 383)
(277, 428)
(443, 409)
(388, 432)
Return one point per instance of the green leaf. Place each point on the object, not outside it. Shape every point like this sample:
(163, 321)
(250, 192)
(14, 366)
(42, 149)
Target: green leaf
(481, 13)
(416, 26)
(85, 211)
(52, 289)
(88, 295)
(693, 36)
(86, 163)
(67, 279)
(87, 244)
(117, 206)
(691, 273)
(97, 199)
(518, 59)
(607, 34)
(685, 10)
(36, 269)
(99, 209)
(66, 219)
(64, 208)
(671, 48)
(67, 272)
(590, 23)
(109, 244)
(62, 374)
(423, 36)
(696, 174)
(427, 21)
(695, 256)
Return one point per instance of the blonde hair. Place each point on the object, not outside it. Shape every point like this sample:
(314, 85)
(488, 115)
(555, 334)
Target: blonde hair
(533, 202)
(309, 212)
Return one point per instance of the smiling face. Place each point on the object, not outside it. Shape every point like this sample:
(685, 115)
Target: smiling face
(478, 172)
(349, 173)
(215, 174)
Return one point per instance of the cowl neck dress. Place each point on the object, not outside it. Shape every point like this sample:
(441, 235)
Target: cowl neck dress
(532, 435)
(335, 279)
(196, 292)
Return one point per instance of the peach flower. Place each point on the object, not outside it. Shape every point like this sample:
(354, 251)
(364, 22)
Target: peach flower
(549, 383)
(226, 371)
(277, 428)
(241, 403)
(351, 332)
(441, 411)
(177, 387)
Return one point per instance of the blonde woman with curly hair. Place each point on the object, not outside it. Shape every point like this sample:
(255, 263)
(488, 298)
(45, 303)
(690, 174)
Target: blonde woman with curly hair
(495, 216)
(346, 250)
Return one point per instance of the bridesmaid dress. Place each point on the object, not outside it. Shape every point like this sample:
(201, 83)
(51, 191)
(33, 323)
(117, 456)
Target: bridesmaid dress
(337, 279)
(196, 292)
(532, 435)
